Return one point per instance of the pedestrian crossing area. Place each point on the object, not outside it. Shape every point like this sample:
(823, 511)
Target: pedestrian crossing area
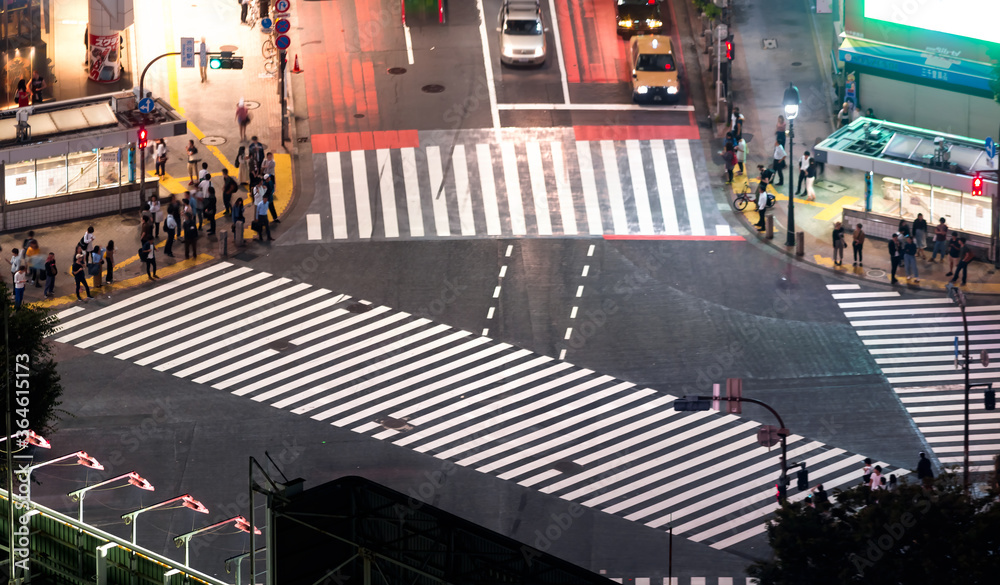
(535, 187)
(914, 341)
(543, 423)
(685, 581)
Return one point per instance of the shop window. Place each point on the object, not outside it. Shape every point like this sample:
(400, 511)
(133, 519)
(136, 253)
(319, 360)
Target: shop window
(51, 177)
(19, 181)
(83, 172)
(110, 168)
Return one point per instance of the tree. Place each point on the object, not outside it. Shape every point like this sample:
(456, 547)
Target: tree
(909, 535)
(35, 371)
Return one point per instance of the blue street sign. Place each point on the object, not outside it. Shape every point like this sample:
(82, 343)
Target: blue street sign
(187, 51)
(146, 105)
(265, 23)
(282, 42)
(282, 26)
(991, 147)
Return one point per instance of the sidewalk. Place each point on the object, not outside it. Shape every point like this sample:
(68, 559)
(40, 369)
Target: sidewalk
(210, 110)
(801, 55)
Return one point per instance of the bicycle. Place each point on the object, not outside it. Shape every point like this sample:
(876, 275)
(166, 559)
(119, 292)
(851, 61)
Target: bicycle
(742, 198)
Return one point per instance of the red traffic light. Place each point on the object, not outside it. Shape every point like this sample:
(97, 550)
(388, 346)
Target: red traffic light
(729, 50)
(143, 137)
(977, 186)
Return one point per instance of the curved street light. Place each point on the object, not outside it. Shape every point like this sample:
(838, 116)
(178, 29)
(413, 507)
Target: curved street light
(239, 522)
(81, 459)
(186, 500)
(133, 479)
(29, 437)
(791, 102)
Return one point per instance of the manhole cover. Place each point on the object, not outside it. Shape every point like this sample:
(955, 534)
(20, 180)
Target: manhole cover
(876, 273)
(280, 345)
(828, 186)
(396, 70)
(796, 63)
(251, 105)
(567, 467)
(359, 116)
(358, 308)
(769, 43)
(394, 424)
(130, 221)
(213, 140)
(245, 256)
(433, 88)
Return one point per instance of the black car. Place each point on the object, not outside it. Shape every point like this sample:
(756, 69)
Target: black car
(638, 17)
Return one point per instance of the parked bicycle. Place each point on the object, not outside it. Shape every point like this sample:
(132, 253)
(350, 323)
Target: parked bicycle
(743, 197)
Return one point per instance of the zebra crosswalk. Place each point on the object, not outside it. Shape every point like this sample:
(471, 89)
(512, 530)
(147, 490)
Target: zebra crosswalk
(541, 186)
(685, 581)
(486, 405)
(919, 343)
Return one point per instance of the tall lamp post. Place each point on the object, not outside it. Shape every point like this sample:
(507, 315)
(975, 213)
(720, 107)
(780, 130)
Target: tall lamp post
(239, 522)
(791, 102)
(133, 479)
(81, 459)
(186, 500)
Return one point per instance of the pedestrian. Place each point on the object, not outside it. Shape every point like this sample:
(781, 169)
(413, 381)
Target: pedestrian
(239, 221)
(844, 115)
(170, 227)
(145, 229)
(33, 259)
(858, 243)
(779, 130)
(268, 165)
(50, 275)
(940, 239)
(203, 187)
(965, 257)
(741, 154)
(229, 188)
(895, 255)
(910, 259)
(109, 259)
(242, 167)
(190, 237)
(838, 244)
(160, 152)
(803, 172)
(761, 202)
(261, 222)
(811, 179)
(20, 280)
(866, 472)
(920, 235)
(875, 483)
(210, 202)
(194, 199)
(242, 118)
(174, 210)
(255, 152)
(87, 241)
(892, 482)
(954, 250)
(80, 277)
(820, 497)
(202, 172)
(924, 473)
(736, 124)
(16, 260)
(22, 96)
(37, 86)
(147, 254)
(156, 213)
(729, 156)
(779, 163)
(192, 162)
(269, 196)
(203, 60)
(904, 229)
(244, 7)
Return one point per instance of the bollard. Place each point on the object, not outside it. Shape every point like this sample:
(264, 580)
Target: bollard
(800, 243)
(223, 243)
(769, 227)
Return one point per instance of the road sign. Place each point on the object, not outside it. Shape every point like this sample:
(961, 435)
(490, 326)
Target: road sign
(282, 26)
(767, 436)
(991, 147)
(187, 51)
(282, 6)
(146, 105)
(265, 23)
(283, 42)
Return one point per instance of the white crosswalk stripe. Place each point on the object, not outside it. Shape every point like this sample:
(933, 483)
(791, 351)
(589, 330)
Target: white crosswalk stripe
(685, 580)
(914, 341)
(523, 417)
(529, 188)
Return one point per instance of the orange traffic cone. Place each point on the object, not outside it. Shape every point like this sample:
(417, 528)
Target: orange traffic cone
(296, 68)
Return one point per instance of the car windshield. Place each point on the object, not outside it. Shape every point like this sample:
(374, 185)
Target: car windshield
(523, 27)
(662, 62)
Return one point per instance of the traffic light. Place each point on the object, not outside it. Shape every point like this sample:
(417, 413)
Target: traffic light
(991, 399)
(782, 489)
(729, 49)
(225, 60)
(802, 479)
(977, 185)
(143, 137)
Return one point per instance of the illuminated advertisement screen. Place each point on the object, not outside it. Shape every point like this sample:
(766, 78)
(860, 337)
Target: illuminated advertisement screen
(964, 29)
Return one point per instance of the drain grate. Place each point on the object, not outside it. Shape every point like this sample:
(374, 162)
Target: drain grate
(433, 88)
(396, 70)
(213, 140)
(358, 308)
(769, 43)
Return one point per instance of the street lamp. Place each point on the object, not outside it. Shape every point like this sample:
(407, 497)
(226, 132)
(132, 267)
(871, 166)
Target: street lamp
(791, 102)
(81, 459)
(239, 522)
(133, 478)
(186, 500)
(25, 438)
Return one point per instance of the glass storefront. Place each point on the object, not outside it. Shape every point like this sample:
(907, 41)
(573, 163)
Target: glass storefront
(82, 171)
(905, 199)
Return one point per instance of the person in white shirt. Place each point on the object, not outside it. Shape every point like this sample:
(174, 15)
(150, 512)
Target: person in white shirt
(20, 280)
(206, 182)
(779, 163)
(803, 172)
(160, 155)
(87, 242)
(741, 154)
(875, 483)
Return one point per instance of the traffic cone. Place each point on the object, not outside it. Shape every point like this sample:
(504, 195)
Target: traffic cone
(296, 68)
